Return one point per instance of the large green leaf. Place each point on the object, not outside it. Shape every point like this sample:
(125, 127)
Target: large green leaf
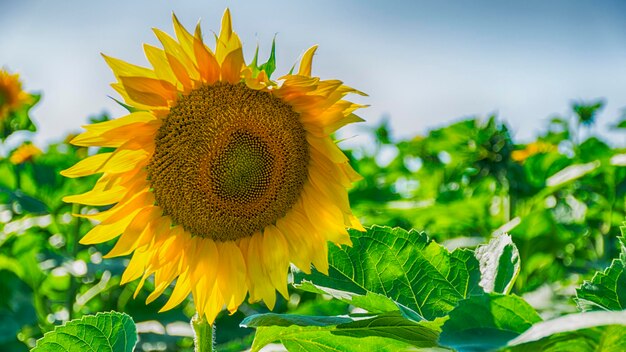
(372, 302)
(386, 332)
(406, 267)
(593, 331)
(607, 289)
(114, 332)
(499, 264)
(486, 322)
(272, 319)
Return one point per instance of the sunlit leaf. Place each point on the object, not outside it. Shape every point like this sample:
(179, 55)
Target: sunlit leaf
(499, 264)
(607, 289)
(593, 331)
(404, 266)
(387, 332)
(101, 332)
(487, 322)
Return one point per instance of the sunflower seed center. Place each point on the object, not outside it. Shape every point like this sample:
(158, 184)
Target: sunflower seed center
(229, 160)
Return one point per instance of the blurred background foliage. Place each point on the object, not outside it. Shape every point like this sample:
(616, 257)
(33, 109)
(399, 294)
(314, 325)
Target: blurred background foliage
(561, 197)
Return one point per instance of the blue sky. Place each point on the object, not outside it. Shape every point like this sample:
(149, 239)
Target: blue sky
(423, 63)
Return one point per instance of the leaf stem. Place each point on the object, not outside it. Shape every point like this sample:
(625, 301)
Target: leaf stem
(203, 333)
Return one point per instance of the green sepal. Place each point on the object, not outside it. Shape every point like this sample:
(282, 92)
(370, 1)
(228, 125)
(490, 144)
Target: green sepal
(269, 66)
(130, 109)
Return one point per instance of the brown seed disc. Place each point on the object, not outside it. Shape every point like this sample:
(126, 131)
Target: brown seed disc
(229, 160)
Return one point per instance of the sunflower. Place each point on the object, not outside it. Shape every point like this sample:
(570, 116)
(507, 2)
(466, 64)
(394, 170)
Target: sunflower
(221, 176)
(25, 152)
(534, 148)
(11, 94)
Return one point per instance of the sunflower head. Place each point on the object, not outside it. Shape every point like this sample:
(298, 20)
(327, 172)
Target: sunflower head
(24, 153)
(14, 105)
(221, 177)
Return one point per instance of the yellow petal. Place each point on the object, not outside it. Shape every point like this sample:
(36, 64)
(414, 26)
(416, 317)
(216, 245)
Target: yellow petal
(214, 305)
(261, 287)
(134, 117)
(119, 161)
(297, 243)
(207, 63)
(117, 222)
(174, 50)
(333, 126)
(123, 68)
(119, 88)
(140, 285)
(349, 172)
(117, 136)
(307, 61)
(106, 191)
(203, 271)
(135, 267)
(231, 67)
(162, 280)
(318, 245)
(331, 190)
(145, 98)
(180, 72)
(228, 40)
(180, 292)
(169, 249)
(184, 37)
(137, 234)
(162, 88)
(334, 171)
(327, 147)
(325, 217)
(231, 275)
(355, 223)
(275, 258)
(159, 62)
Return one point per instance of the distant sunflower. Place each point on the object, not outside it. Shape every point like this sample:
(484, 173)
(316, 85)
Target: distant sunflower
(25, 152)
(224, 177)
(534, 148)
(12, 96)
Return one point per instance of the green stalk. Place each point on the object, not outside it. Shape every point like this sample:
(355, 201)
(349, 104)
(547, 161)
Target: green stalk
(72, 249)
(203, 334)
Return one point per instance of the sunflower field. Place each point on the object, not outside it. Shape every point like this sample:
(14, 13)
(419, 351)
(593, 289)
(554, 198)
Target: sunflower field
(222, 214)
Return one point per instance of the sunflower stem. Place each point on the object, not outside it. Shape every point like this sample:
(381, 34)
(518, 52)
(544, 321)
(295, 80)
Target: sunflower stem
(72, 250)
(203, 334)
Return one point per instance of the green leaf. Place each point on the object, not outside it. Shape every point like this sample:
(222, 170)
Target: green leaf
(19, 119)
(406, 267)
(587, 111)
(269, 67)
(391, 325)
(387, 332)
(607, 289)
(111, 331)
(486, 322)
(23, 203)
(593, 331)
(372, 302)
(499, 264)
(273, 319)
